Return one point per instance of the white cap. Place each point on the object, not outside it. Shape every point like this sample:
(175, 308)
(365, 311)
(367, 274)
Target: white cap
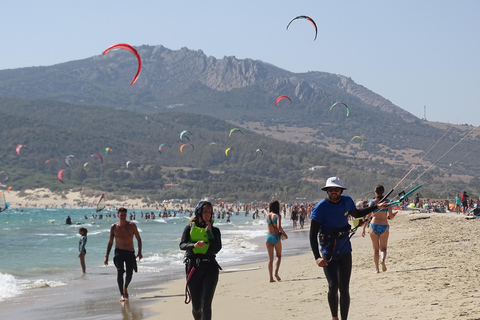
(334, 182)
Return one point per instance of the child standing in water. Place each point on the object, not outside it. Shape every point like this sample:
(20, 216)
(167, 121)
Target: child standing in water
(81, 247)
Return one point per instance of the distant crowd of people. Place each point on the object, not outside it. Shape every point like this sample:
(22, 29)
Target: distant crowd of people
(462, 204)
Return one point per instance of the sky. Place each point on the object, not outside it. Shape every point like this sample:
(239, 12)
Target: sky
(422, 55)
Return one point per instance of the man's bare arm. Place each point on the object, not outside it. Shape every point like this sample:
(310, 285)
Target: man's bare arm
(109, 245)
(139, 241)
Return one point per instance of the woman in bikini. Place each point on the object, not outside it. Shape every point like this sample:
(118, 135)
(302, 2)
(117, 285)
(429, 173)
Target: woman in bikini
(378, 229)
(273, 238)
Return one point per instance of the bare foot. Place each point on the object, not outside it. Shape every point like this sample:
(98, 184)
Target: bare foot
(278, 277)
(384, 267)
(271, 280)
(122, 299)
(125, 293)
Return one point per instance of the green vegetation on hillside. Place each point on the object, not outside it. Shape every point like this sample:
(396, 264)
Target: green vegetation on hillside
(52, 130)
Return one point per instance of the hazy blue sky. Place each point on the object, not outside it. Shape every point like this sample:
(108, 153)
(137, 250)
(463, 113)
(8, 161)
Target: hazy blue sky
(414, 53)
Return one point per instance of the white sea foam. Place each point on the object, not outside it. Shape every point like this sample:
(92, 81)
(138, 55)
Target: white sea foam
(244, 232)
(52, 234)
(94, 232)
(8, 286)
(168, 259)
(41, 283)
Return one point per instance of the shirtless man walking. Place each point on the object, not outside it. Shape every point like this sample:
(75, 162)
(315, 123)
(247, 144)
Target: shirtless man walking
(124, 257)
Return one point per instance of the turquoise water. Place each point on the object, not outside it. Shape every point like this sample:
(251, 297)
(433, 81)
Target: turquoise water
(39, 250)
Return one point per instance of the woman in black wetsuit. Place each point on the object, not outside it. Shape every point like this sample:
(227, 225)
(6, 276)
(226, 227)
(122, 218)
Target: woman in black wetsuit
(202, 241)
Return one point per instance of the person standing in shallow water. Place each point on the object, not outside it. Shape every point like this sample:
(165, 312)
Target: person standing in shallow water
(124, 259)
(81, 247)
(329, 224)
(201, 242)
(274, 225)
(294, 216)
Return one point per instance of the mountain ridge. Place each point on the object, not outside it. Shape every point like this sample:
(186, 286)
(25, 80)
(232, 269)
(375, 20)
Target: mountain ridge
(169, 73)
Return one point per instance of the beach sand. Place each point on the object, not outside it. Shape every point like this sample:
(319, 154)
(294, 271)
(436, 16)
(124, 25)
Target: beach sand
(43, 197)
(433, 273)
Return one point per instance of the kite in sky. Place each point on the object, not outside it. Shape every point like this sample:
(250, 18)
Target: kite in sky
(101, 159)
(283, 97)
(307, 18)
(348, 111)
(234, 129)
(182, 135)
(59, 175)
(164, 144)
(132, 50)
(19, 147)
(358, 137)
(186, 145)
(69, 160)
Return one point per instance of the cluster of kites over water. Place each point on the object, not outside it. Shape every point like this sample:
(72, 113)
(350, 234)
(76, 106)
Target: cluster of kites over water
(185, 135)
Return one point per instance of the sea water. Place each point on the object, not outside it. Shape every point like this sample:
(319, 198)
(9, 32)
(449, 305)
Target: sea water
(38, 249)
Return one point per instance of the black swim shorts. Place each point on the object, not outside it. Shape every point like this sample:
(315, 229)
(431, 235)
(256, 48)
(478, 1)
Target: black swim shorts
(125, 258)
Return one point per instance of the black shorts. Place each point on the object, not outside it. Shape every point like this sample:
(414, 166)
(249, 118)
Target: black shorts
(125, 258)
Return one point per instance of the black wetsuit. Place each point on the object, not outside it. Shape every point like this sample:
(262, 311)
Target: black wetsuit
(339, 268)
(204, 278)
(124, 260)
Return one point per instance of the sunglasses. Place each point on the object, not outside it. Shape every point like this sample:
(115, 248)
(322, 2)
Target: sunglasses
(334, 189)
